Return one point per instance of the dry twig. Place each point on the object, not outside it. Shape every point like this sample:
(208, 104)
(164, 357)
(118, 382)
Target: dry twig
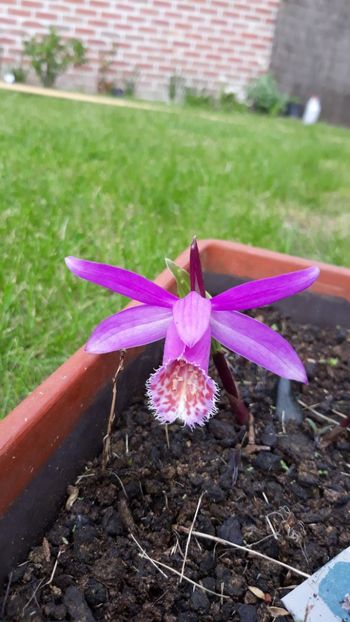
(206, 536)
(252, 448)
(157, 563)
(189, 536)
(106, 453)
(8, 587)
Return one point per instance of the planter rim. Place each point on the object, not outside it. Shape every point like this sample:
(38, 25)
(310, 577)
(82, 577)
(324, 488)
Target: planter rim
(51, 411)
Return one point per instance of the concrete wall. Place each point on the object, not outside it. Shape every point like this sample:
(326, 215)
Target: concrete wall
(207, 42)
(311, 53)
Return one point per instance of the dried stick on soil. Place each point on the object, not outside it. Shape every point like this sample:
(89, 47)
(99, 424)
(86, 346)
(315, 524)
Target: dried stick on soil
(41, 583)
(206, 536)
(157, 564)
(320, 415)
(189, 536)
(153, 562)
(106, 453)
(252, 448)
(3, 607)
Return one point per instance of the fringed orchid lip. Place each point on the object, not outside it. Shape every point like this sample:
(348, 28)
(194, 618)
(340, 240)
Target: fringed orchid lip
(188, 324)
(182, 391)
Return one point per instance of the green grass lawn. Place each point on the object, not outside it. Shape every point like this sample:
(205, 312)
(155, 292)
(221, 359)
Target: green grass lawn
(129, 187)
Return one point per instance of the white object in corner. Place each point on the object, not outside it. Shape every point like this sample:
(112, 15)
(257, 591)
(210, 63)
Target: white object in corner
(325, 596)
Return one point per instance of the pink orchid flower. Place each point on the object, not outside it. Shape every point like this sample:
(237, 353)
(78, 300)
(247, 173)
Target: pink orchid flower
(181, 388)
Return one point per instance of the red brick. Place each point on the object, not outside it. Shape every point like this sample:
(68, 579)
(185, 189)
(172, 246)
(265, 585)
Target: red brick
(100, 4)
(234, 14)
(160, 22)
(108, 15)
(219, 22)
(185, 7)
(162, 4)
(100, 23)
(33, 25)
(183, 26)
(125, 7)
(135, 19)
(182, 44)
(20, 12)
(81, 11)
(208, 11)
(8, 20)
(82, 32)
(50, 16)
(221, 4)
(263, 11)
(32, 4)
(62, 8)
(146, 29)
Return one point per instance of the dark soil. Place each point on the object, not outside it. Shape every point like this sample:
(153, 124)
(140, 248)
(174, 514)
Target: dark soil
(89, 567)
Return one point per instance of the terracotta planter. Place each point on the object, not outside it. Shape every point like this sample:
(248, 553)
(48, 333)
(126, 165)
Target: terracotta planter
(47, 439)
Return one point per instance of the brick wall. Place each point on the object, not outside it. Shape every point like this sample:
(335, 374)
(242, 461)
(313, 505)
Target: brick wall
(311, 53)
(207, 42)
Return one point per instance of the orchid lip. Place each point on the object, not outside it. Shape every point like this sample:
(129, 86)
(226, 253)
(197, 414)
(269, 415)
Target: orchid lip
(183, 391)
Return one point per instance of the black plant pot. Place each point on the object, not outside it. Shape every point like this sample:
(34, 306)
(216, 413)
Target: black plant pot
(294, 110)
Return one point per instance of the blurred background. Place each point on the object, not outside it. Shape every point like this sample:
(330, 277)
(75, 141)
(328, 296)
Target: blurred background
(226, 119)
(158, 49)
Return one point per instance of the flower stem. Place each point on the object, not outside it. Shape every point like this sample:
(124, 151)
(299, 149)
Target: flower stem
(237, 405)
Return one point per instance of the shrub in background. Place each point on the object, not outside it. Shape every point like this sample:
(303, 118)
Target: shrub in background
(50, 55)
(264, 95)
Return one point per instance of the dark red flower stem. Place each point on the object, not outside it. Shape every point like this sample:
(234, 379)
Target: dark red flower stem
(345, 422)
(238, 406)
(196, 274)
(197, 285)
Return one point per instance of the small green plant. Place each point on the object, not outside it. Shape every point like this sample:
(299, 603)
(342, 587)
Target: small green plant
(19, 74)
(130, 83)
(199, 98)
(264, 95)
(105, 83)
(51, 56)
(175, 87)
(228, 102)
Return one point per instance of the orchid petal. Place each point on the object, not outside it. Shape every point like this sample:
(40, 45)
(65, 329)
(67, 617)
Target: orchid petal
(199, 354)
(257, 343)
(264, 291)
(174, 347)
(191, 317)
(121, 281)
(130, 328)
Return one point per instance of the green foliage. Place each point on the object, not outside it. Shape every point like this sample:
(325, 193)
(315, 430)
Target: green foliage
(175, 87)
(228, 103)
(181, 276)
(130, 84)
(198, 98)
(202, 98)
(76, 179)
(265, 96)
(19, 73)
(51, 56)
